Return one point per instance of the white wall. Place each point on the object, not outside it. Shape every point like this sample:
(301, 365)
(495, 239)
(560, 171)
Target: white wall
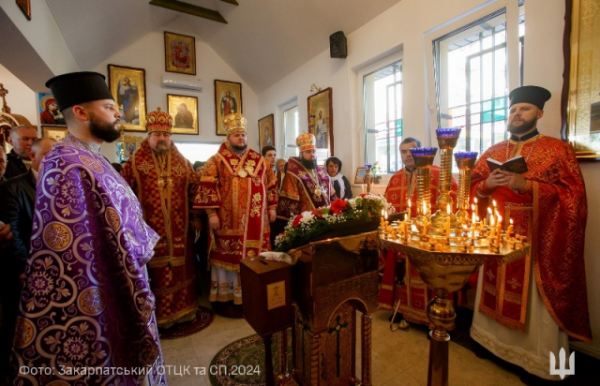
(148, 53)
(20, 98)
(409, 26)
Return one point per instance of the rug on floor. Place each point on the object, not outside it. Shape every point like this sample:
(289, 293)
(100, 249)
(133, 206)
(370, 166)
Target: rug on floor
(203, 319)
(245, 355)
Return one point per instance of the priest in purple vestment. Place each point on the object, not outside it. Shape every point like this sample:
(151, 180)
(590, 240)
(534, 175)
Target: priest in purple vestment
(86, 312)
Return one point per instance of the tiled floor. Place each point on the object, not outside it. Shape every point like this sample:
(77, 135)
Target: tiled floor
(399, 358)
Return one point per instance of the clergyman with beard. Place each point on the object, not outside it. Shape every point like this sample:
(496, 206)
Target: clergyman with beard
(86, 300)
(165, 183)
(534, 305)
(238, 190)
(306, 186)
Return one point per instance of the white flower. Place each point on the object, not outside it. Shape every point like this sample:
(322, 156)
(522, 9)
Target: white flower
(307, 217)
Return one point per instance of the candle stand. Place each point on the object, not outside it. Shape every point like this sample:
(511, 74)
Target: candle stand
(446, 248)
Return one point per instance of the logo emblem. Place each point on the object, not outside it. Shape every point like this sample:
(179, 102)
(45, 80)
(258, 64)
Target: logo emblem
(562, 371)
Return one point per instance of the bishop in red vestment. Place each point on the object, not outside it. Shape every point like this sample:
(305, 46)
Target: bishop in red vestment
(166, 184)
(238, 190)
(306, 186)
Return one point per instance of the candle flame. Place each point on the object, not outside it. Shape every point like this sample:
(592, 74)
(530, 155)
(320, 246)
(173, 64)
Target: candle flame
(409, 203)
(511, 221)
(494, 203)
(448, 208)
(475, 200)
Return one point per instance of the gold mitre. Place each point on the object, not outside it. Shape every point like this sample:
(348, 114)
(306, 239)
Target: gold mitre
(306, 141)
(159, 121)
(235, 123)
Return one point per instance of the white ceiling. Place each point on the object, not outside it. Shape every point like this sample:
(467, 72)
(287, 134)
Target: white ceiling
(264, 40)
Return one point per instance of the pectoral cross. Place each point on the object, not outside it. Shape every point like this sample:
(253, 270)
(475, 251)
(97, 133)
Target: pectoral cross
(337, 329)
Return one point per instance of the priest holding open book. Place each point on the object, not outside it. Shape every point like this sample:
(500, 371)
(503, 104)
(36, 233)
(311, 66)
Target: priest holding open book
(531, 307)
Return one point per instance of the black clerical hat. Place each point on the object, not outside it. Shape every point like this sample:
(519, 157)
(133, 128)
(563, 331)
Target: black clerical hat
(530, 94)
(78, 87)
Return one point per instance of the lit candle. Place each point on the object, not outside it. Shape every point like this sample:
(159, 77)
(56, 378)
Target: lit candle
(424, 208)
(499, 231)
(492, 227)
(510, 229)
(382, 225)
(448, 220)
(475, 200)
(409, 210)
(473, 214)
(385, 215)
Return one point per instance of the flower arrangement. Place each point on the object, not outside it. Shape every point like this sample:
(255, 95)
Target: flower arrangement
(305, 227)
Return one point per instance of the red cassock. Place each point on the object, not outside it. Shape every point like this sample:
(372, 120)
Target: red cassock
(552, 214)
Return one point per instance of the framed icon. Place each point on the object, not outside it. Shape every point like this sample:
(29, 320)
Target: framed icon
(266, 131)
(320, 119)
(180, 53)
(184, 110)
(228, 99)
(128, 87)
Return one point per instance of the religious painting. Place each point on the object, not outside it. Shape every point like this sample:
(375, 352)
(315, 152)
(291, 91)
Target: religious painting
(128, 87)
(266, 131)
(184, 110)
(180, 53)
(127, 145)
(56, 132)
(25, 7)
(581, 115)
(48, 109)
(359, 177)
(320, 119)
(228, 99)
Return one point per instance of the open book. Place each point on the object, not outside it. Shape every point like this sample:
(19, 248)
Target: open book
(516, 164)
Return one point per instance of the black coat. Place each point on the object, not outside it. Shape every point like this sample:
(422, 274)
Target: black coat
(15, 165)
(16, 209)
(348, 191)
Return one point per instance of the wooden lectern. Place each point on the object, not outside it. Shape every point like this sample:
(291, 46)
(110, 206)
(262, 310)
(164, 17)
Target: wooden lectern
(267, 290)
(332, 280)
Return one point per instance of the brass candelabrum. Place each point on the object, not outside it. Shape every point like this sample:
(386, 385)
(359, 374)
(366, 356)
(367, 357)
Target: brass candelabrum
(447, 247)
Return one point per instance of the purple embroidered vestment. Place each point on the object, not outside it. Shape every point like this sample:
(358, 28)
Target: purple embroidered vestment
(86, 304)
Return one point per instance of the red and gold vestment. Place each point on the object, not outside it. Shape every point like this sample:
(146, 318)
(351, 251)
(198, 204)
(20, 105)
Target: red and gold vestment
(552, 213)
(165, 185)
(241, 188)
(302, 190)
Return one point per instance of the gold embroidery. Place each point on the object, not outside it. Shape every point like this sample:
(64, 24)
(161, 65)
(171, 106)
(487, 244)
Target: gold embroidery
(514, 283)
(145, 167)
(179, 170)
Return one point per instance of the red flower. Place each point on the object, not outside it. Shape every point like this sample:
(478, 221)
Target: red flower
(338, 206)
(296, 221)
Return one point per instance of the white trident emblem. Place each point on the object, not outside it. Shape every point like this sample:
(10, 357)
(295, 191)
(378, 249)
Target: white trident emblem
(562, 371)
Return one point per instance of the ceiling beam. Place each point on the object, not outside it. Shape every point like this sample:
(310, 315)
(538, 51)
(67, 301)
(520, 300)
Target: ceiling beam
(190, 9)
(230, 2)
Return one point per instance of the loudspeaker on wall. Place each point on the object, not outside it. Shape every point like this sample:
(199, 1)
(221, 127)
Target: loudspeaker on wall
(337, 45)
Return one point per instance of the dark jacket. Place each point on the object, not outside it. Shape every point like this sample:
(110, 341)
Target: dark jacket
(15, 165)
(348, 191)
(16, 209)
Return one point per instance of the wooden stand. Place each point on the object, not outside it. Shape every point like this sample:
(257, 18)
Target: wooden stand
(267, 290)
(333, 279)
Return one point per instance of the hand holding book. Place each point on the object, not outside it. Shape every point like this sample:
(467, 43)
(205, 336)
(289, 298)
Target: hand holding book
(516, 164)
